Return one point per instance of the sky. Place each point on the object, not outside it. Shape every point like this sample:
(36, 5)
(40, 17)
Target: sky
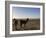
(25, 12)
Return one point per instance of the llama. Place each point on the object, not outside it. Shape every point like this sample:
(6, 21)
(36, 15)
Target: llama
(23, 22)
(15, 22)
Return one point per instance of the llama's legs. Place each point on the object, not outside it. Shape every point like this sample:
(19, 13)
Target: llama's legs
(14, 26)
(22, 27)
(18, 25)
(21, 24)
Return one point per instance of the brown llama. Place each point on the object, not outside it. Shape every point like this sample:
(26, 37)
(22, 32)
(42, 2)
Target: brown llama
(23, 22)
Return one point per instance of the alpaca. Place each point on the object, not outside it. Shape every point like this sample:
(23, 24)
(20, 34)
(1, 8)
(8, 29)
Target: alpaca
(23, 22)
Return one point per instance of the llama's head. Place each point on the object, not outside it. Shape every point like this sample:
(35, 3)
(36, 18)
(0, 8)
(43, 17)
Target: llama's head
(14, 19)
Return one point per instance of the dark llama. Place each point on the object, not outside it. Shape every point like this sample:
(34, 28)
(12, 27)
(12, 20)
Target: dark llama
(23, 22)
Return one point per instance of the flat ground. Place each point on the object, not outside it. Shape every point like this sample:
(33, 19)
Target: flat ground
(32, 24)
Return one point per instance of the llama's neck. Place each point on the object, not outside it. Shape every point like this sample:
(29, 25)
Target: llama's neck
(26, 20)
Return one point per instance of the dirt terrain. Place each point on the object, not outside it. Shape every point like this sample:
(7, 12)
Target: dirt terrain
(25, 24)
